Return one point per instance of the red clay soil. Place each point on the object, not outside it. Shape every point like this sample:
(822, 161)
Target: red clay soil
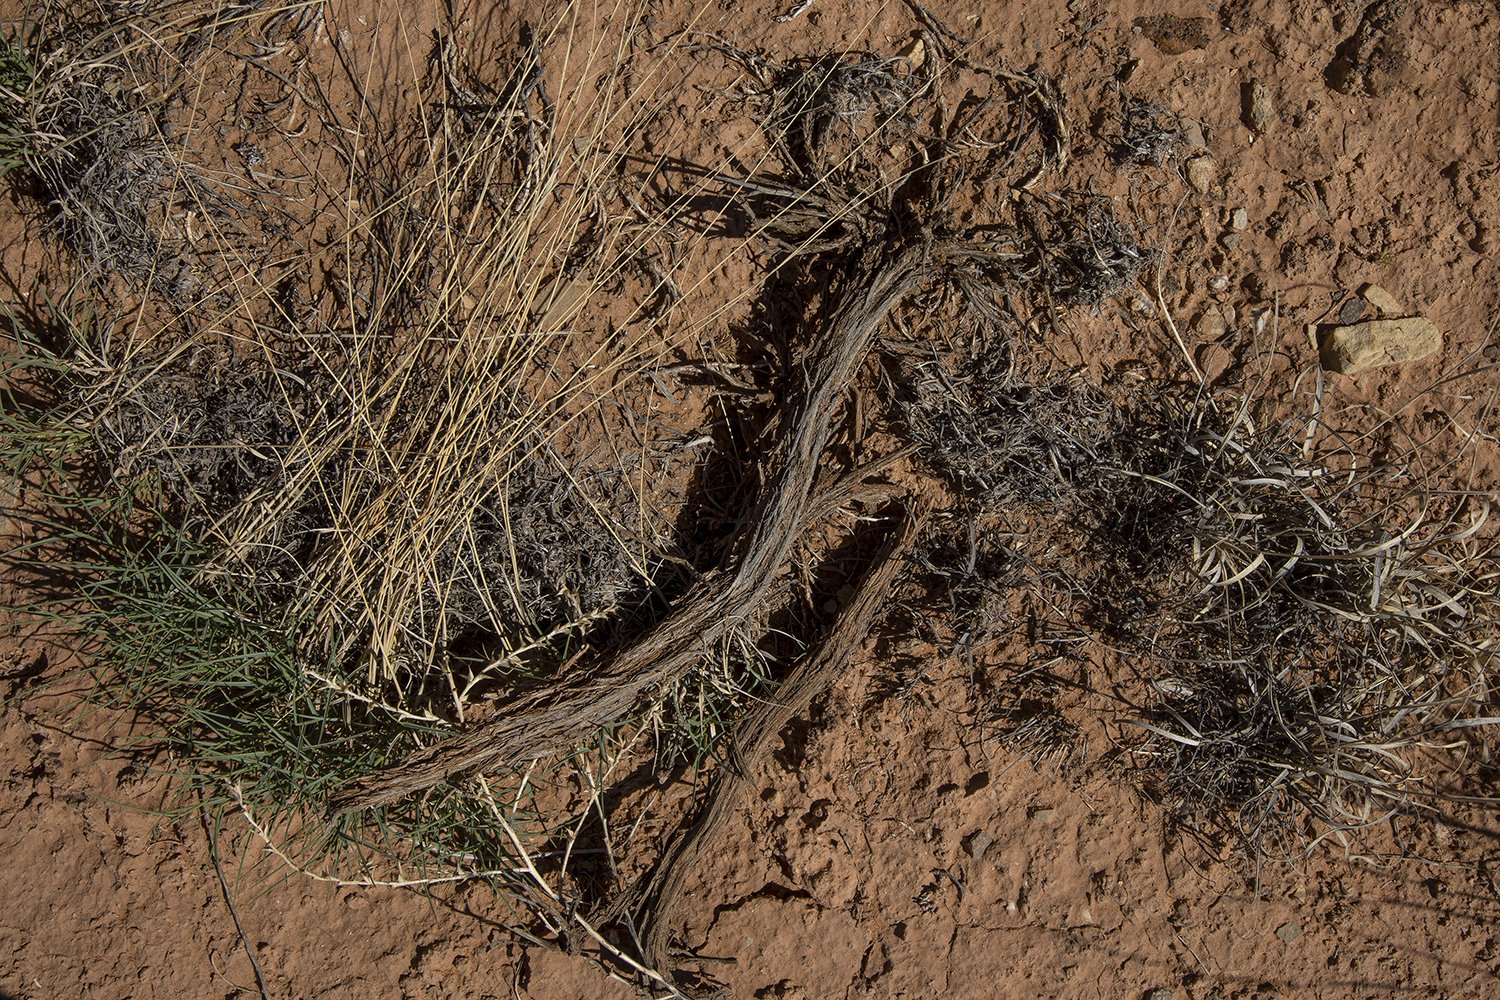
(891, 850)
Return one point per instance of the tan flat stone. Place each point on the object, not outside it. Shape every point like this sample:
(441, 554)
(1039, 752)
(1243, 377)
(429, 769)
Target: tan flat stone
(1374, 344)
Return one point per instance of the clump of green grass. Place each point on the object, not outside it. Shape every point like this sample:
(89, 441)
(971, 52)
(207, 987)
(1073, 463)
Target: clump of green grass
(201, 672)
(17, 75)
(195, 660)
(694, 715)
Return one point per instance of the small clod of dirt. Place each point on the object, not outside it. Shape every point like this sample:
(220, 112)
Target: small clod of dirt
(1176, 35)
(1373, 60)
(1256, 108)
(1234, 15)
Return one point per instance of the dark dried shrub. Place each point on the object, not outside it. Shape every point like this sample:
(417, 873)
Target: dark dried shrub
(1149, 134)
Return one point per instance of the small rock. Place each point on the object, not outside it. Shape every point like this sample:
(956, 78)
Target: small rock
(1192, 134)
(1377, 343)
(1239, 220)
(877, 963)
(1229, 241)
(1160, 993)
(1042, 815)
(1218, 284)
(1381, 300)
(976, 843)
(1200, 173)
(1289, 932)
(1255, 107)
(915, 54)
(1352, 311)
(1210, 325)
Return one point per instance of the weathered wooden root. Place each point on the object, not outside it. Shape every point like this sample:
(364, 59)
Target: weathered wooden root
(564, 715)
(659, 901)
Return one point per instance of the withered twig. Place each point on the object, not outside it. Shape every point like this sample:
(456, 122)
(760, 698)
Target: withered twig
(753, 738)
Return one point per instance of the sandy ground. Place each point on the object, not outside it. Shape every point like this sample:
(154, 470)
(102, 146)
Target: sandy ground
(891, 850)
